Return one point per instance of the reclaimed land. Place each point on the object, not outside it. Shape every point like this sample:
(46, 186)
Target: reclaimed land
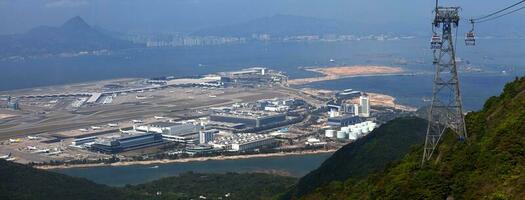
(334, 73)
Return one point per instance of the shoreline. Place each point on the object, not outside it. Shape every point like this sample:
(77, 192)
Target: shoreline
(183, 160)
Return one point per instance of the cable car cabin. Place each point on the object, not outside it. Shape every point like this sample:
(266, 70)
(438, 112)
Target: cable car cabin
(470, 39)
(436, 42)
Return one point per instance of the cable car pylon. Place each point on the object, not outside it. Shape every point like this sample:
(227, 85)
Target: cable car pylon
(446, 109)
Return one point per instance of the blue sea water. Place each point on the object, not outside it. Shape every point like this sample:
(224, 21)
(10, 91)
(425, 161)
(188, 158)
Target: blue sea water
(295, 165)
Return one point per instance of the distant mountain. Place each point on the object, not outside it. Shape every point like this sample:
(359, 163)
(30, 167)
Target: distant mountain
(384, 145)
(73, 36)
(280, 25)
(489, 165)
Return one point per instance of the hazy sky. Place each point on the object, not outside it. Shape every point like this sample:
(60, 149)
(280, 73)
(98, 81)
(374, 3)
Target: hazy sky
(188, 15)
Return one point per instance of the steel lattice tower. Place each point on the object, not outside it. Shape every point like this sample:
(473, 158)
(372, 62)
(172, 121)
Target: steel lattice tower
(446, 109)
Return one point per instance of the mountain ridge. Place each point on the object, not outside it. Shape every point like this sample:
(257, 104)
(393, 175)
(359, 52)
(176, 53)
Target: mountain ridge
(72, 36)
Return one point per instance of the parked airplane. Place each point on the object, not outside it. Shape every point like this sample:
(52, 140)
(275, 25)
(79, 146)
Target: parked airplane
(113, 125)
(5, 156)
(15, 140)
(136, 121)
(33, 137)
(41, 151)
(54, 153)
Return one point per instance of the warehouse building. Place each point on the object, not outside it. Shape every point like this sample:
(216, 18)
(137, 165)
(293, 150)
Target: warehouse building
(343, 120)
(176, 132)
(247, 120)
(126, 143)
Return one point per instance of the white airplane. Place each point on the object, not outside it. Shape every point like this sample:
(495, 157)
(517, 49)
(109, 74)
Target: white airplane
(54, 153)
(96, 127)
(113, 125)
(83, 130)
(41, 151)
(31, 148)
(5, 156)
(159, 117)
(15, 140)
(33, 137)
(136, 121)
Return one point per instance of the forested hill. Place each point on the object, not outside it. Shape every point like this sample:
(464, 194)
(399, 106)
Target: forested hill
(21, 182)
(491, 165)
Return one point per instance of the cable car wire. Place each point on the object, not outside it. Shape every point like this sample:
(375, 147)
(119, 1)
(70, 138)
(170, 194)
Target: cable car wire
(499, 16)
(497, 12)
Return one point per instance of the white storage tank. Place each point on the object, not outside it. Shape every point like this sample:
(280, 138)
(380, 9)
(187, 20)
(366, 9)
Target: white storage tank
(329, 133)
(341, 135)
(352, 136)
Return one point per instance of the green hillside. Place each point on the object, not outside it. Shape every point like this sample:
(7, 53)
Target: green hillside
(21, 182)
(491, 165)
(372, 153)
(214, 186)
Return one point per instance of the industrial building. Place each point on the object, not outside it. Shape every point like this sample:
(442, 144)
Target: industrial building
(126, 143)
(244, 142)
(177, 132)
(83, 141)
(250, 119)
(343, 120)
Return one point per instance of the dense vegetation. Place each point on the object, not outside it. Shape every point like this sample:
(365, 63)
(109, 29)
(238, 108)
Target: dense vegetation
(213, 186)
(388, 143)
(491, 165)
(21, 182)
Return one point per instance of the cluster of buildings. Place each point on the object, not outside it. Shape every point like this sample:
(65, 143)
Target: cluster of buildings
(343, 114)
(250, 77)
(193, 133)
(261, 114)
(348, 121)
(9, 103)
(189, 41)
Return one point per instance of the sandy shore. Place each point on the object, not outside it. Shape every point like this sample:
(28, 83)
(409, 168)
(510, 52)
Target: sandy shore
(184, 160)
(388, 101)
(333, 73)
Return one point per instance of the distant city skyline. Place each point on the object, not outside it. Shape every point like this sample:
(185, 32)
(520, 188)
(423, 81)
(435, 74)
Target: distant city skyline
(190, 15)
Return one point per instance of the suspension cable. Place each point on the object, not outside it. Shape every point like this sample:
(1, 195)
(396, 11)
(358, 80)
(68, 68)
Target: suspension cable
(499, 16)
(481, 19)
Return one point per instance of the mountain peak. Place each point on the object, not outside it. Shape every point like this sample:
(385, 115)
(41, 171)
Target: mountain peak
(75, 23)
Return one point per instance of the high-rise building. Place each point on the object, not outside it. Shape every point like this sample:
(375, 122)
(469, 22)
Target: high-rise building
(364, 102)
(207, 136)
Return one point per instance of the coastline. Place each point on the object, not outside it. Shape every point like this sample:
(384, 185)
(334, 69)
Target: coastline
(183, 160)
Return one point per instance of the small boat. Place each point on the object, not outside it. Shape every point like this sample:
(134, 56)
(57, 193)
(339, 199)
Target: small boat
(154, 167)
